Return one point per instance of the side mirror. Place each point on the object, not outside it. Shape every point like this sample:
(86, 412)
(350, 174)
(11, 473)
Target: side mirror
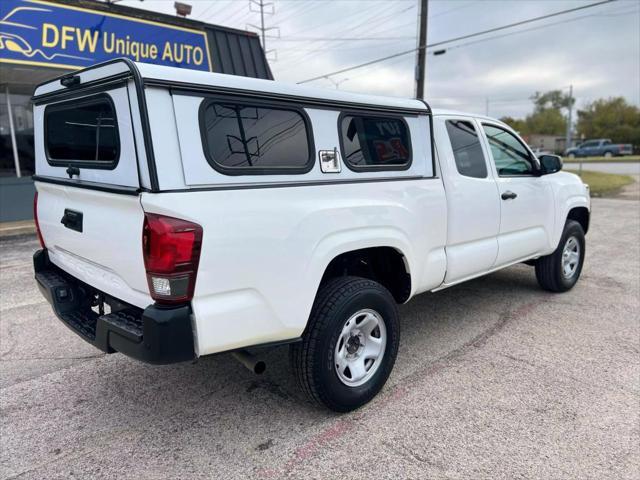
(550, 164)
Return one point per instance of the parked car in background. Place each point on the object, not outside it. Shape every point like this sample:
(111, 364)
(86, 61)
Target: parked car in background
(601, 147)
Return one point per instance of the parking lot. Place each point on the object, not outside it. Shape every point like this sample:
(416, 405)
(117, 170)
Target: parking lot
(495, 379)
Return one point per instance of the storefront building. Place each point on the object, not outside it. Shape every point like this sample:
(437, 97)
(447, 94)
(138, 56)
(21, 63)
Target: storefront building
(40, 40)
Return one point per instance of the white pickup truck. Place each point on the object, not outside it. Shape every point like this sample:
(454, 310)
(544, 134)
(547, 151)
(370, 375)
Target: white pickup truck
(184, 213)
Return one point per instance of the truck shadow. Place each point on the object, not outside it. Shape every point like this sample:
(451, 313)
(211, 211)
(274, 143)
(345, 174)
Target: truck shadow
(216, 405)
(219, 383)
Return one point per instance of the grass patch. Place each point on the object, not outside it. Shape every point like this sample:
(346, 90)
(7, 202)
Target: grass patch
(630, 158)
(604, 184)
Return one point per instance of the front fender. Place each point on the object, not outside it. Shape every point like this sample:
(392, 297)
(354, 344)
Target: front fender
(569, 192)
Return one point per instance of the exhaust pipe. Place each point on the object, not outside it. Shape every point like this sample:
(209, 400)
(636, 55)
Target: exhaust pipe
(252, 363)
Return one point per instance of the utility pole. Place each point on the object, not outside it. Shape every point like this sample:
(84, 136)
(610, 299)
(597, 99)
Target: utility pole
(421, 57)
(568, 139)
(261, 5)
(262, 31)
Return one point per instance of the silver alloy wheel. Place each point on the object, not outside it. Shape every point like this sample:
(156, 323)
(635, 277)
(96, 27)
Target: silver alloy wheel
(360, 347)
(570, 257)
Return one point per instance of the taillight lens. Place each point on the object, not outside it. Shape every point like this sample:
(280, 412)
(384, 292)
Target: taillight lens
(35, 219)
(171, 249)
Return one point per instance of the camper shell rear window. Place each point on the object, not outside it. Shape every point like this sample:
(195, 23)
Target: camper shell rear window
(82, 132)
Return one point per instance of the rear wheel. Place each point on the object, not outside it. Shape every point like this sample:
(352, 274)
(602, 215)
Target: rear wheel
(350, 345)
(572, 155)
(608, 154)
(560, 271)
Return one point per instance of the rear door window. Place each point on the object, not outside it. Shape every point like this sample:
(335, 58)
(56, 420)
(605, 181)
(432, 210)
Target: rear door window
(467, 150)
(375, 142)
(82, 132)
(248, 139)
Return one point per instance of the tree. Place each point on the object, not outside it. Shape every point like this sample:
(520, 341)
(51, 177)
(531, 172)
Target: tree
(547, 121)
(517, 124)
(553, 99)
(610, 118)
(547, 117)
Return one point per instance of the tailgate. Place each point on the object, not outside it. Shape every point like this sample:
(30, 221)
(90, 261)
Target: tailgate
(102, 244)
(88, 206)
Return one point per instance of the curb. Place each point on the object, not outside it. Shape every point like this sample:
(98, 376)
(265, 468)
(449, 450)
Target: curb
(13, 229)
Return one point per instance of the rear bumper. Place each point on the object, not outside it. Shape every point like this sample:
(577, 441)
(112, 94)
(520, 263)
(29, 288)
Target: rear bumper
(157, 334)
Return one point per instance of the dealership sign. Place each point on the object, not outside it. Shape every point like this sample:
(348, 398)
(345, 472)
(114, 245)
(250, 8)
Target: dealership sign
(42, 33)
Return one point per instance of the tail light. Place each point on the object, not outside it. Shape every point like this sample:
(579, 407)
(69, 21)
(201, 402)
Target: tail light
(35, 219)
(171, 249)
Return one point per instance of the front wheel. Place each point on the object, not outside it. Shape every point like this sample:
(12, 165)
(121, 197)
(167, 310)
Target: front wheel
(350, 345)
(560, 271)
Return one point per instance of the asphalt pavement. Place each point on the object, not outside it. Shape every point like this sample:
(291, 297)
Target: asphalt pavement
(494, 379)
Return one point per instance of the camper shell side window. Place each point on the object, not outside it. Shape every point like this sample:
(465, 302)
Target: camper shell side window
(82, 132)
(374, 142)
(249, 137)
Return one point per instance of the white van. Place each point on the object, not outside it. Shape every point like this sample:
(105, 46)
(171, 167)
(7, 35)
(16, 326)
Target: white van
(185, 213)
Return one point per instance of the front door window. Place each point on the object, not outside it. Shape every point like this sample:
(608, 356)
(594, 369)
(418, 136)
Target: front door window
(509, 154)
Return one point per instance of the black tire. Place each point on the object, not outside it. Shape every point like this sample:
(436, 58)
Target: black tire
(549, 269)
(312, 359)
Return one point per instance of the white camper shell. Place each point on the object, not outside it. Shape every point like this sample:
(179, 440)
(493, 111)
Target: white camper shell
(185, 213)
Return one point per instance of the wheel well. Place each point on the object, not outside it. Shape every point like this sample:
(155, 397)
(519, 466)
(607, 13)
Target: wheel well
(384, 265)
(580, 215)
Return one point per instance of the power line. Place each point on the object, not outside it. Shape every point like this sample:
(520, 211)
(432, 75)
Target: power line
(446, 12)
(301, 8)
(523, 22)
(367, 22)
(463, 37)
(562, 22)
(242, 10)
(358, 13)
(342, 39)
(360, 47)
(378, 60)
(206, 10)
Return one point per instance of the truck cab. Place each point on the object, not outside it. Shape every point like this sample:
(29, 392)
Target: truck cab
(183, 214)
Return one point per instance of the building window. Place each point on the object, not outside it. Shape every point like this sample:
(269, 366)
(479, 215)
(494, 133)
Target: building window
(467, 151)
(247, 139)
(22, 112)
(375, 143)
(82, 132)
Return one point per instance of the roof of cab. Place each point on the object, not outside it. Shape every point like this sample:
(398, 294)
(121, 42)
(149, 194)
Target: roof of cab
(185, 78)
(436, 112)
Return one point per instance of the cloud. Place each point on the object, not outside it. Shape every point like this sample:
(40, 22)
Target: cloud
(598, 53)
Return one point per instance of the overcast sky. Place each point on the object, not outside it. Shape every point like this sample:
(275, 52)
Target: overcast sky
(597, 50)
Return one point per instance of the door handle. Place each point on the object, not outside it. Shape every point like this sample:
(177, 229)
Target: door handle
(72, 220)
(509, 195)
